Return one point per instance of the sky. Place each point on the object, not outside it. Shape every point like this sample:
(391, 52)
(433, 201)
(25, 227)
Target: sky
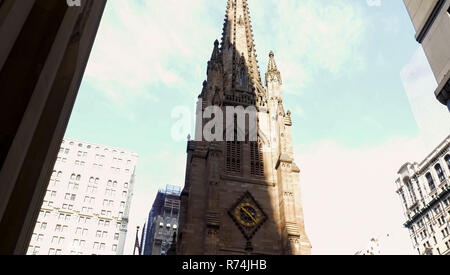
(358, 85)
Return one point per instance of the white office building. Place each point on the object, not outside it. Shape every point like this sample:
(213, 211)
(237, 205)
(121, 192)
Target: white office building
(424, 190)
(85, 210)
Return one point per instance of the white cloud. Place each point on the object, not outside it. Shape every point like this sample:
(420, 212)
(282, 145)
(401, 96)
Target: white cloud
(349, 195)
(431, 116)
(140, 42)
(317, 35)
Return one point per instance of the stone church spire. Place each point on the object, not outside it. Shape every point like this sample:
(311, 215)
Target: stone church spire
(241, 197)
(238, 47)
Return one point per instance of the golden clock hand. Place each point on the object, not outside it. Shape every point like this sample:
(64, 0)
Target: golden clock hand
(250, 215)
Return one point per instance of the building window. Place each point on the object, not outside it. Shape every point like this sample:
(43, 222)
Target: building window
(430, 181)
(404, 199)
(411, 189)
(440, 172)
(36, 250)
(233, 163)
(256, 159)
(242, 78)
(447, 160)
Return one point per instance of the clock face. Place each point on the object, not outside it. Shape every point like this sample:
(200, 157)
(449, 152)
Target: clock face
(247, 215)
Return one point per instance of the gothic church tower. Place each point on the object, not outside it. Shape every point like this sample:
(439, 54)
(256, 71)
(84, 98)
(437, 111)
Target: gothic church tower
(242, 197)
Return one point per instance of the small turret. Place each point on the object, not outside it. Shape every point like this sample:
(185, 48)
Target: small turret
(273, 78)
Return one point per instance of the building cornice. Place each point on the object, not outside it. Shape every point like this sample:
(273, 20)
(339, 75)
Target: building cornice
(434, 155)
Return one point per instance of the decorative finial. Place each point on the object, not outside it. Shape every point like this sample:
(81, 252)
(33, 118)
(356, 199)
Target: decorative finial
(272, 71)
(215, 54)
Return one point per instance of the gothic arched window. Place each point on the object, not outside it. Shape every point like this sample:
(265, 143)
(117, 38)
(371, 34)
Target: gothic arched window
(256, 159)
(233, 161)
(430, 181)
(242, 78)
(440, 172)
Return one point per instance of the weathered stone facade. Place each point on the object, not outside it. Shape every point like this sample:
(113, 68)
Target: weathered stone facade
(242, 197)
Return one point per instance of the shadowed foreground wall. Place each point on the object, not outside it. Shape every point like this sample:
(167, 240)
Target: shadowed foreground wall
(44, 49)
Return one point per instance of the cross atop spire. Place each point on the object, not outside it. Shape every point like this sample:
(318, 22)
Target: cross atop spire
(238, 42)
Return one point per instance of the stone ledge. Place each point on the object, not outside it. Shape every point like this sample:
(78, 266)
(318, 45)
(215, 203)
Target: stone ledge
(247, 180)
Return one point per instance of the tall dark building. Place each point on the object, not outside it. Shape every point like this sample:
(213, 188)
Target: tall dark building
(162, 222)
(44, 49)
(242, 196)
(431, 19)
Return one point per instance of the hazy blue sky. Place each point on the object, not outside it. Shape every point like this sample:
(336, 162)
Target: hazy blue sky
(340, 62)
